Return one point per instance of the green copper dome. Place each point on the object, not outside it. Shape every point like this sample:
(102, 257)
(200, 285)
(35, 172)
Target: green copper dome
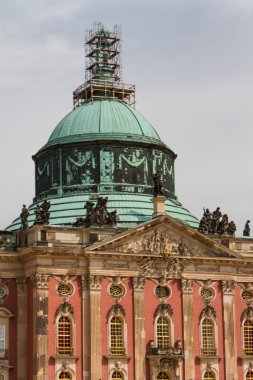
(104, 120)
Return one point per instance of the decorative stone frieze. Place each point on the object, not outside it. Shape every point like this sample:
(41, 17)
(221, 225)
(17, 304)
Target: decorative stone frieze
(228, 287)
(41, 281)
(139, 283)
(166, 266)
(187, 285)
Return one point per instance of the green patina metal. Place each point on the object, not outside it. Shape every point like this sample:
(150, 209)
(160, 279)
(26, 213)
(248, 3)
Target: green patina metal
(132, 209)
(104, 120)
(104, 148)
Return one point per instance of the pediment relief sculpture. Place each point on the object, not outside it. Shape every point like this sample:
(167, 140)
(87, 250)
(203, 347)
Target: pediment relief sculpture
(165, 266)
(157, 242)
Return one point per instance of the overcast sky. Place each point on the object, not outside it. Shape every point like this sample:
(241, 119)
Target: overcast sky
(191, 61)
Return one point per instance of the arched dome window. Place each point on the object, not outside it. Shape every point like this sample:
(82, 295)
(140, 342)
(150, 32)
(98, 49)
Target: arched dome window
(117, 375)
(248, 337)
(163, 335)
(163, 376)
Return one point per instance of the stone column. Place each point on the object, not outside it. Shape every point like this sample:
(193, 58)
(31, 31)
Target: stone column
(139, 332)
(40, 326)
(95, 328)
(22, 327)
(188, 327)
(86, 326)
(230, 353)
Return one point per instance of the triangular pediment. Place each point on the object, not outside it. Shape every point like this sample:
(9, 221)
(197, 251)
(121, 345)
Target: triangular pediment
(164, 236)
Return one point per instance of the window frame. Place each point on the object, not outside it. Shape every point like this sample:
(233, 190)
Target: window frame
(247, 320)
(72, 347)
(213, 321)
(123, 334)
(171, 331)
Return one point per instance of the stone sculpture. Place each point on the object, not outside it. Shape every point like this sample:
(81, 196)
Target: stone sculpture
(98, 215)
(246, 231)
(24, 218)
(216, 223)
(157, 184)
(42, 213)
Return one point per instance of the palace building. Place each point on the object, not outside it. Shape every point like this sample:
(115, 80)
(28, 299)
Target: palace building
(106, 275)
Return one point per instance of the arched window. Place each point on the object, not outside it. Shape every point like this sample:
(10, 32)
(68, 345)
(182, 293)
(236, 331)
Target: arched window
(65, 376)
(208, 337)
(249, 375)
(163, 376)
(117, 336)
(163, 339)
(117, 375)
(1, 376)
(248, 337)
(209, 375)
(64, 337)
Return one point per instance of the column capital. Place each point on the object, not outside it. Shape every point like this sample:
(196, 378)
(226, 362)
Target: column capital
(187, 285)
(21, 283)
(228, 287)
(40, 281)
(94, 282)
(139, 283)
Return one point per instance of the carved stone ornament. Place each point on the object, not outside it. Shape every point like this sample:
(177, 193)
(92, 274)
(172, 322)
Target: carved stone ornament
(41, 281)
(165, 364)
(95, 282)
(42, 213)
(21, 283)
(164, 310)
(208, 312)
(65, 309)
(65, 366)
(187, 285)
(247, 314)
(209, 366)
(157, 242)
(161, 266)
(116, 311)
(98, 215)
(139, 283)
(228, 287)
(85, 279)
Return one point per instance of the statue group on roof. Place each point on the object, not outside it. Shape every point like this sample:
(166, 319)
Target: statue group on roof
(97, 215)
(216, 223)
(42, 213)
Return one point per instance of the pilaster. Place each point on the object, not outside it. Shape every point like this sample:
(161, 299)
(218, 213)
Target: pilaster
(230, 353)
(188, 328)
(139, 333)
(21, 327)
(95, 328)
(40, 326)
(86, 324)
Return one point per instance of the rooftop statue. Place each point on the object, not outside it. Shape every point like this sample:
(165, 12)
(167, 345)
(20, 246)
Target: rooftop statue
(246, 231)
(158, 184)
(216, 223)
(24, 218)
(42, 213)
(97, 216)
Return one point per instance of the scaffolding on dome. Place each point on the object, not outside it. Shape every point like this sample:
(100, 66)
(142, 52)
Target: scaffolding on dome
(103, 68)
